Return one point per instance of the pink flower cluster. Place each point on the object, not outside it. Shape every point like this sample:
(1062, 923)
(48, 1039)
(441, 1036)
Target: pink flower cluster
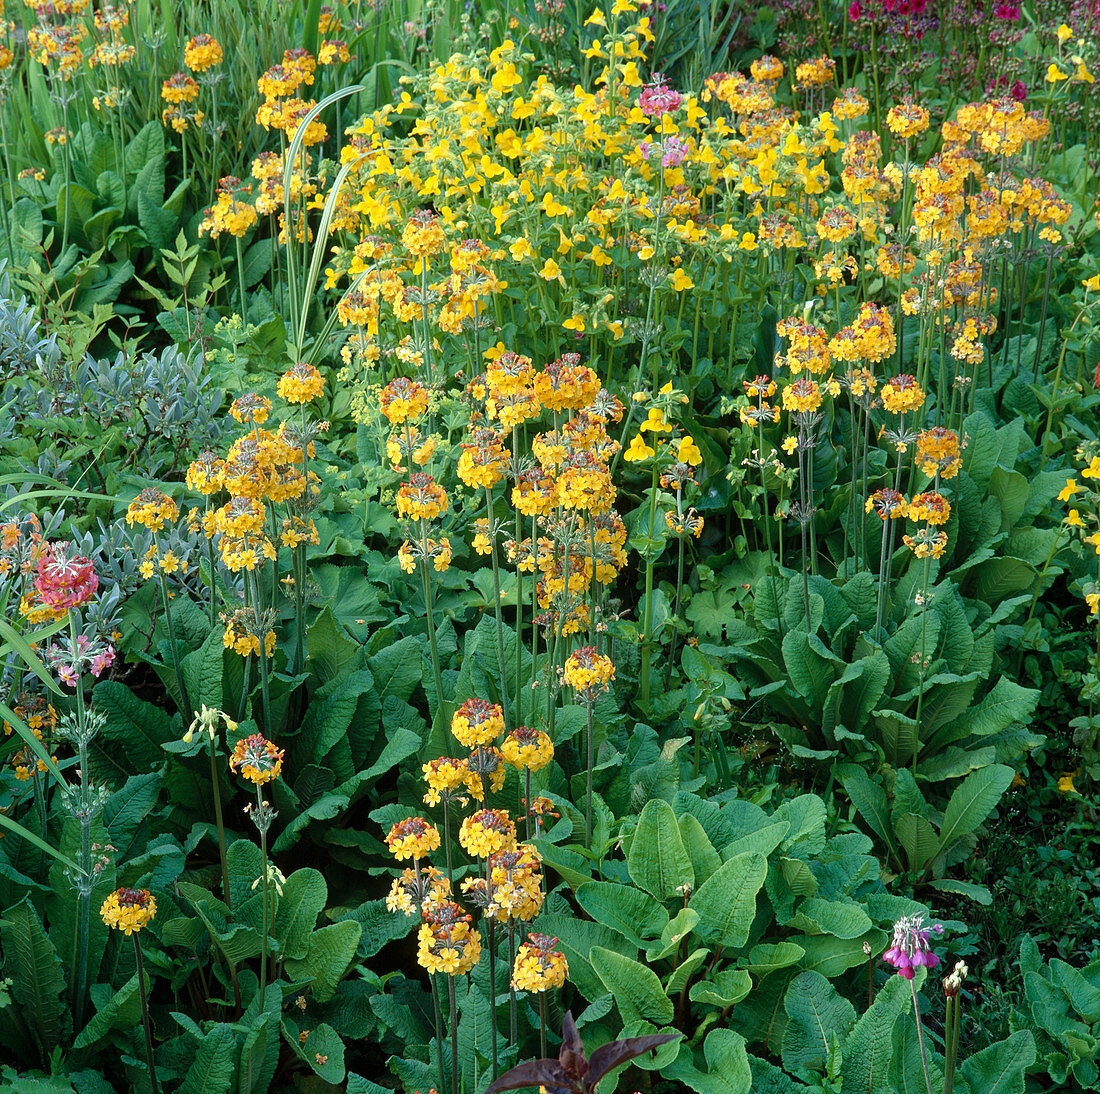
(673, 151)
(911, 946)
(658, 98)
(903, 8)
(64, 581)
(92, 655)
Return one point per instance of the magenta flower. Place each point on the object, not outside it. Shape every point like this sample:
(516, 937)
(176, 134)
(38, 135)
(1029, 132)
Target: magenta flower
(911, 946)
(658, 98)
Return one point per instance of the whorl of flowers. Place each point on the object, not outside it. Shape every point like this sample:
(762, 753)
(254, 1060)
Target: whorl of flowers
(153, 509)
(887, 503)
(939, 453)
(589, 672)
(447, 942)
(528, 748)
(539, 966)
(129, 910)
(64, 580)
(202, 52)
(477, 722)
(658, 98)
(257, 758)
(910, 949)
(487, 832)
(412, 838)
(902, 394)
(301, 383)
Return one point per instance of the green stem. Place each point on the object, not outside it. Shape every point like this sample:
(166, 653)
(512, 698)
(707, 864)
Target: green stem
(454, 1033)
(920, 1038)
(263, 880)
(145, 1011)
(499, 618)
(588, 789)
(221, 825)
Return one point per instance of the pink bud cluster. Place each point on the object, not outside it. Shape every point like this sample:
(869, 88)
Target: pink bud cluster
(64, 580)
(911, 946)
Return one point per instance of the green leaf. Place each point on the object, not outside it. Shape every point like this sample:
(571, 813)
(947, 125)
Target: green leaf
(630, 911)
(329, 953)
(999, 1069)
(726, 902)
(658, 861)
(811, 665)
(974, 799)
(817, 1012)
(840, 918)
(870, 801)
(214, 1065)
(636, 987)
(302, 901)
(329, 646)
(202, 673)
(978, 893)
(919, 839)
(323, 1043)
(32, 964)
(36, 841)
(576, 939)
(704, 858)
(724, 989)
(140, 728)
(122, 1011)
(728, 1070)
(869, 1047)
(768, 957)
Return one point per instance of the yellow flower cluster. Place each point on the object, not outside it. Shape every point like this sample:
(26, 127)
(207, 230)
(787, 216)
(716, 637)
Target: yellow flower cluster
(412, 838)
(153, 509)
(539, 966)
(477, 723)
(129, 910)
(528, 748)
(588, 672)
(487, 832)
(301, 383)
(258, 760)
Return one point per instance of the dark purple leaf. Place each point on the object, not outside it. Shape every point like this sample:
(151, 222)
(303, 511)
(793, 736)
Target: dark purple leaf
(608, 1057)
(574, 1063)
(546, 1073)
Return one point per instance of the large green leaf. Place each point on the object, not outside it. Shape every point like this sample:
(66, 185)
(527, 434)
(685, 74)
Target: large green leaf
(121, 1011)
(214, 1065)
(869, 1047)
(302, 901)
(658, 861)
(632, 912)
(728, 1070)
(329, 953)
(919, 839)
(137, 727)
(1000, 1068)
(974, 799)
(817, 1012)
(870, 801)
(32, 964)
(636, 987)
(726, 902)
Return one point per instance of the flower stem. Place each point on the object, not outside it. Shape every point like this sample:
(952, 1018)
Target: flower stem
(588, 790)
(263, 881)
(221, 825)
(920, 1038)
(454, 1033)
(500, 622)
(145, 1012)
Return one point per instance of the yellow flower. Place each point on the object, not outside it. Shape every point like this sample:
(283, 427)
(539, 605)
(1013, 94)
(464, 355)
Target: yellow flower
(1065, 784)
(550, 271)
(128, 910)
(1073, 519)
(1054, 74)
(412, 838)
(258, 759)
(487, 832)
(1064, 33)
(576, 323)
(1093, 469)
(1069, 490)
(301, 384)
(1093, 601)
(477, 723)
(1093, 283)
(681, 281)
(637, 450)
(688, 452)
(789, 445)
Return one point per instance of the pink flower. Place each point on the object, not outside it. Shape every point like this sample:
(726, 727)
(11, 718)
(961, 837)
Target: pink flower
(658, 98)
(854, 11)
(911, 946)
(675, 152)
(103, 661)
(68, 675)
(64, 582)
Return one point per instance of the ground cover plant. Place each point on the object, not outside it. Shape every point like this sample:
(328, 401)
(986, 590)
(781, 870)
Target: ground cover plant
(549, 547)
